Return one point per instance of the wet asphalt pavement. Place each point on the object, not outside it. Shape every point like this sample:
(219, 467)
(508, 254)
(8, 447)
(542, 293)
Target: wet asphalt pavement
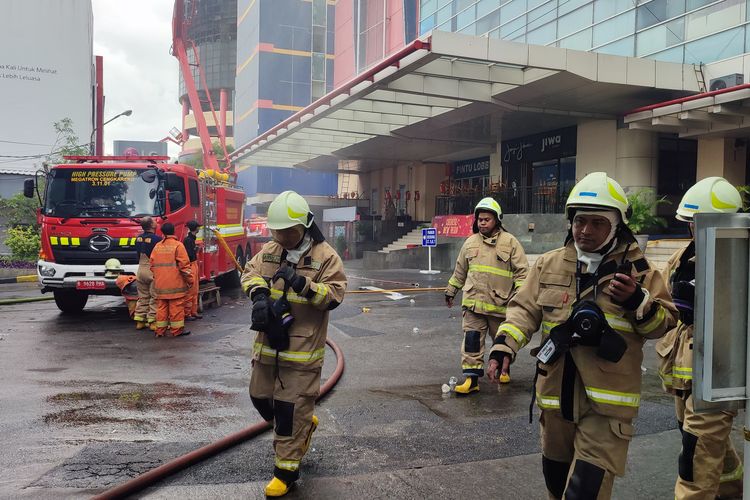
(88, 402)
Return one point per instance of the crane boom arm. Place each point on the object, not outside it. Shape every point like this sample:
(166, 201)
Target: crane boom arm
(179, 39)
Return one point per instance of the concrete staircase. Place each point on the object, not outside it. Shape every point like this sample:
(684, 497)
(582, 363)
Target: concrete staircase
(413, 237)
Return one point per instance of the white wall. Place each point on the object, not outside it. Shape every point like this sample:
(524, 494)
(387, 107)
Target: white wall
(46, 74)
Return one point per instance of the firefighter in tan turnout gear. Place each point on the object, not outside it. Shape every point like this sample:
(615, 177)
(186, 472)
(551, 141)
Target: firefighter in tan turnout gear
(293, 282)
(708, 465)
(596, 300)
(490, 267)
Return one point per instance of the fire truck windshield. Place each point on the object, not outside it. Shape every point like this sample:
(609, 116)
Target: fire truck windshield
(105, 192)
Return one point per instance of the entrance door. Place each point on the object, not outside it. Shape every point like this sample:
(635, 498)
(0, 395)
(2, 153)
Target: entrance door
(545, 179)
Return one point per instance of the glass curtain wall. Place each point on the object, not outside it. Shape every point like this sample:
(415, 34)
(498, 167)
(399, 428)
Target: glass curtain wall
(684, 31)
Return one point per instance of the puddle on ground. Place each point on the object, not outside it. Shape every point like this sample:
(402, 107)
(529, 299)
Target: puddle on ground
(130, 404)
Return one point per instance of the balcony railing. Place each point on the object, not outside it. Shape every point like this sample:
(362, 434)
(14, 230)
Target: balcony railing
(542, 199)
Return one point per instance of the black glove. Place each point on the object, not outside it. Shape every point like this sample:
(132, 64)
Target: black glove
(261, 315)
(288, 274)
(683, 296)
(498, 356)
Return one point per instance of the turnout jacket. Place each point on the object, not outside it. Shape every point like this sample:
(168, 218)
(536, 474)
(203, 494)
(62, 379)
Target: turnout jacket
(546, 300)
(675, 349)
(488, 270)
(325, 284)
(171, 268)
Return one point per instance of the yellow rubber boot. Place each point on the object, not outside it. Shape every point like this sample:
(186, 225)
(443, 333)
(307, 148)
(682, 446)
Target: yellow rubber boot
(505, 378)
(140, 325)
(313, 426)
(470, 385)
(276, 488)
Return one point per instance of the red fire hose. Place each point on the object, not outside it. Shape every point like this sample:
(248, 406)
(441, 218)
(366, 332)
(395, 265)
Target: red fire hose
(148, 478)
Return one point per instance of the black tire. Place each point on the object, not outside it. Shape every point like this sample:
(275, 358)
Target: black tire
(70, 301)
(241, 257)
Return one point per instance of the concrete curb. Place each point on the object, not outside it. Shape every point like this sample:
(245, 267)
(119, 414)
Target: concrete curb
(29, 278)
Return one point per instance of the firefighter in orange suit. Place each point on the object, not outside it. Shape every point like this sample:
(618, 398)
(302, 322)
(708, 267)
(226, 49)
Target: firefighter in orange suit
(293, 282)
(191, 299)
(145, 309)
(489, 269)
(596, 300)
(708, 465)
(172, 280)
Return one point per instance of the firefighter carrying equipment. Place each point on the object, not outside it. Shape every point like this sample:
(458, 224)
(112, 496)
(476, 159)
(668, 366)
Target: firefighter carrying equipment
(112, 268)
(545, 302)
(284, 383)
(710, 195)
(708, 465)
(597, 190)
(471, 384)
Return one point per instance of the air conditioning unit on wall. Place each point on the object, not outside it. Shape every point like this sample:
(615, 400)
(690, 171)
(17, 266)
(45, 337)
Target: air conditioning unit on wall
(726, 81)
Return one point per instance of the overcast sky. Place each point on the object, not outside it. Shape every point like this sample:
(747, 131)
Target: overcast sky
(134, 38)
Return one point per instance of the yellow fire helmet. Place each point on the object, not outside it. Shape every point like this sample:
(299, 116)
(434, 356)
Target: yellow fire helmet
(597, 190)
(112, 268)
(710, 195)
(489, 205)
(287, 210)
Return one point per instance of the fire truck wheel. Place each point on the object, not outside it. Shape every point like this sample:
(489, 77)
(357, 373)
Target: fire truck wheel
(241, 258)
(70, 301)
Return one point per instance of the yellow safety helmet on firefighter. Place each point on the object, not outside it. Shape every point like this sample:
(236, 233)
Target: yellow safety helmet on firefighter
(710, 195)
(287, 210)
(597, 190)
(489, 205)
(112, 268)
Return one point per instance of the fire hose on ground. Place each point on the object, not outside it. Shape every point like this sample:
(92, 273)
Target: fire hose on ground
(149, 478)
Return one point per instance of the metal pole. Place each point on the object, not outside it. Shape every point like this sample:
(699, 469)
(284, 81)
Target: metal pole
(429, 259)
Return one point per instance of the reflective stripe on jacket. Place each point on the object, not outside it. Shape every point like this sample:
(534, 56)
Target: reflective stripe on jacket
(488, 270)
(171, 268)
(324, 290)
(546, 300)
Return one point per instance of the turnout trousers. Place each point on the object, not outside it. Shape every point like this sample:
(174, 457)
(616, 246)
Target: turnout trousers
(145, 309)
(708, 464)
(476, 327)
(287, 400)
(580, 458)
(170, 313)
(191, 297)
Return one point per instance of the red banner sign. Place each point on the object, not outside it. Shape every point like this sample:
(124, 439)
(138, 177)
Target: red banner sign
(453, 226)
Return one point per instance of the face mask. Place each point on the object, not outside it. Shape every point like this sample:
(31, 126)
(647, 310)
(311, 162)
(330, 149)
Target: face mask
(296, 254)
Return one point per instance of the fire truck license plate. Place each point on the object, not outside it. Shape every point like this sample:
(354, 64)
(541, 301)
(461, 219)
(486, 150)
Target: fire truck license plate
(91, 285)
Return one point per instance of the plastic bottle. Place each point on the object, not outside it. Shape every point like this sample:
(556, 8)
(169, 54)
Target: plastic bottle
(452, 383)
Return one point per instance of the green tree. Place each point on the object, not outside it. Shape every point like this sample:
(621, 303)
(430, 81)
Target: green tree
(23, 242)
(66, 143)
(19, 210)
(197, 162)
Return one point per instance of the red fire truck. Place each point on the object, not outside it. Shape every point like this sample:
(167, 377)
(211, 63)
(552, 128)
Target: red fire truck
(91, 211)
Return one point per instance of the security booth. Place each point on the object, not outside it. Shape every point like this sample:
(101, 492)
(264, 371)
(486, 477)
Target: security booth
(721, 351)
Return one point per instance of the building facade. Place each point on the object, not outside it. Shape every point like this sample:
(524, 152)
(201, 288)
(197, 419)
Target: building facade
(213, 29)
(48, 53)
(711, 35)
(284, 62)
(682, 31)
